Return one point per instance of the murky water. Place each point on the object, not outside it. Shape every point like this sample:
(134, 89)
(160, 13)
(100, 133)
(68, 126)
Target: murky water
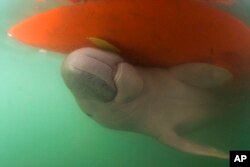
(41, 124)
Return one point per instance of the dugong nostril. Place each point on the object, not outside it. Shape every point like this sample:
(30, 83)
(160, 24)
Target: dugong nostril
(88, 73)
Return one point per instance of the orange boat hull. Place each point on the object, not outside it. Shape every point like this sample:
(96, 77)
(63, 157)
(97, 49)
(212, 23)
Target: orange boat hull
(159, 33)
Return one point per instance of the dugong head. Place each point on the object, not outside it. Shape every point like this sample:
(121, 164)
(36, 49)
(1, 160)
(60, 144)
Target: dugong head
(102, 83)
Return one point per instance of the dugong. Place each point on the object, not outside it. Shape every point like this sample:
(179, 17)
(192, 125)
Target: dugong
(151, 101)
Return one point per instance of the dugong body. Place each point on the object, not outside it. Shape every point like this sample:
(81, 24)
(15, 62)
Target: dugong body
(151, 101)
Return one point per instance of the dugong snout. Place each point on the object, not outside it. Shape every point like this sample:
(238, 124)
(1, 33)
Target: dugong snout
(99, 75)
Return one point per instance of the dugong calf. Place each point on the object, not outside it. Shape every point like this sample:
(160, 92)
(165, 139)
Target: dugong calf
(151, 101)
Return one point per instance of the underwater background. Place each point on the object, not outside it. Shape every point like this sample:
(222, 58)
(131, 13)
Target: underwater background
(41, 124)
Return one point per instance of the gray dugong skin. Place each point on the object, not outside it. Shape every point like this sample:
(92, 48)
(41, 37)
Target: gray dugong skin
(150, 101)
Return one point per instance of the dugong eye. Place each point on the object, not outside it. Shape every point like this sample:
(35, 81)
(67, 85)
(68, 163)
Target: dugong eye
(90, 115)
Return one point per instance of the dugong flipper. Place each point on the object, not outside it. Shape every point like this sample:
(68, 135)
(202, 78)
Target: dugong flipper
(151, 101)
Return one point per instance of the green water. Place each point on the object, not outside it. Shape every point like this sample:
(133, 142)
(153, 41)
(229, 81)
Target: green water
(41, 125)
